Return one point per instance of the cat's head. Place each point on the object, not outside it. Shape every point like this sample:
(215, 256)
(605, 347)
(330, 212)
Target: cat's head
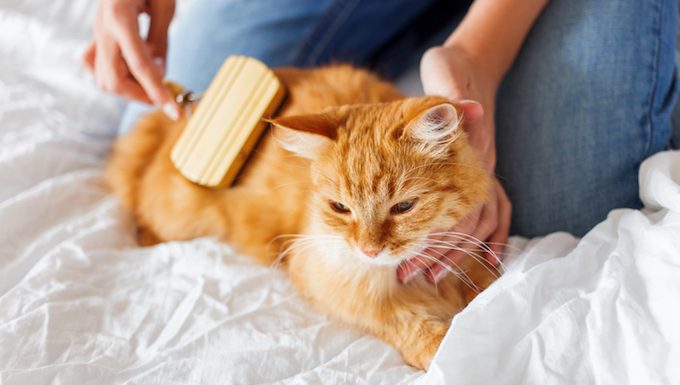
(385, 175)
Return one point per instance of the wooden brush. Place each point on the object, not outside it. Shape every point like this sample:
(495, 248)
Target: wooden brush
(227, 124)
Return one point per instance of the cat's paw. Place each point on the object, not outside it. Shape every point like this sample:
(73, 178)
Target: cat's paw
(421, 352)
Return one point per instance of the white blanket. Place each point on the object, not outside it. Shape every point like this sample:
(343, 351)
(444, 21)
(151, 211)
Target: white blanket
(602, 310)
(81, 304)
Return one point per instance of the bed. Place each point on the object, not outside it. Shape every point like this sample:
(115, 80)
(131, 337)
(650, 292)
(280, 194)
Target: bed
(81, 303)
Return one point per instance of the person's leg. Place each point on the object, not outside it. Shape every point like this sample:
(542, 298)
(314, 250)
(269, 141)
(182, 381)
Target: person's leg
(588, 99)
(675, 119)
(279, 33)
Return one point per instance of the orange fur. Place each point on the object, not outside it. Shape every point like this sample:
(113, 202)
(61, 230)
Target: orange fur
(357, 141)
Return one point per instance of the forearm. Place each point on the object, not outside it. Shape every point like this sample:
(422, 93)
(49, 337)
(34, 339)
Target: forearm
(493, 32)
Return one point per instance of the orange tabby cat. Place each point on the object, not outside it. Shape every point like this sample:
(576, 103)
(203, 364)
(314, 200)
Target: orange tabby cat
(354, 174)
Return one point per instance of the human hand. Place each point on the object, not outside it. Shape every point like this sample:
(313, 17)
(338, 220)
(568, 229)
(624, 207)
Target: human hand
(455, 74)
(124, 63)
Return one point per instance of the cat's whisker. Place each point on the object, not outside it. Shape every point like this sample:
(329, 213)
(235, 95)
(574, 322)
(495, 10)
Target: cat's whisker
(428, 242)
(299, 242)
(296, 241)
(292, 237)
(500, 269)
(464, 238)
(478, 258)
(295, 247)
(288, 236)
(461, 237)
(473, 240)
(504, 244)
(459, 273)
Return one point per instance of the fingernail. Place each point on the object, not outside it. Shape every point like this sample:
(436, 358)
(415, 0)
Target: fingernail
(171, 111)
(410, 276)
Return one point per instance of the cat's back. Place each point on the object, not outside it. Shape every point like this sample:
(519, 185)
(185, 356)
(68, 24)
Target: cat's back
(313, 90)
(310, 91)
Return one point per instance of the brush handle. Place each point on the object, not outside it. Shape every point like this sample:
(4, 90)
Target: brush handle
(225, 127)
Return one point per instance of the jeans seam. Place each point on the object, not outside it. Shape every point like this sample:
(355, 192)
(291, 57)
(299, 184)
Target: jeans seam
(316, 44)
(656, 30)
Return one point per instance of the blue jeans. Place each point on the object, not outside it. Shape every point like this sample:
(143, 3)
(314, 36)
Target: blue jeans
(587, 100)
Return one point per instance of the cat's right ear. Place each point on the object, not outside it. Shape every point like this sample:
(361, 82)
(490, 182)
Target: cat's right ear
(306, 135)
(434, 125)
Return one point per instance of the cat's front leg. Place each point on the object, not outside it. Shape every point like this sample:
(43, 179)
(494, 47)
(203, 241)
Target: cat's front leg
(416, 339)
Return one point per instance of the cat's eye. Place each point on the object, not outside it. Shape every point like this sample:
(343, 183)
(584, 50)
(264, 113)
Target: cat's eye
(403, 207)
(339, 207)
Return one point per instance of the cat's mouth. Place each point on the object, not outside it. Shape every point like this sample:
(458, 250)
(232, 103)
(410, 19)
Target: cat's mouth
(388, 258)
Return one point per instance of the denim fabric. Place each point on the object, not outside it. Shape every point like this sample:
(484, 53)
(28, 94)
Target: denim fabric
(279, 32)
(587, 100)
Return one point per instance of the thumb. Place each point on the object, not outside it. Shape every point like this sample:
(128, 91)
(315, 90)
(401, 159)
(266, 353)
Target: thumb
(160, 13)
(472, 111)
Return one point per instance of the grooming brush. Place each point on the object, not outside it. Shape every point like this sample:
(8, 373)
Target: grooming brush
(223, 130)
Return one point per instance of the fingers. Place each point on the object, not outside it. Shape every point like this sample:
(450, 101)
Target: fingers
(450, 261)
(130, 89)
(161, 13)
(439, 247)
(410, 269)
(140, 63)
(110, 70)
(499, 237)
(436, 73)
(88, 57)
(472, 111)
(122, 62)
(472, 247)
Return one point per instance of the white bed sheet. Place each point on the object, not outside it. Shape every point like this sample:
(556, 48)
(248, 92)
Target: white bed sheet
(601, 310)
(81, 304)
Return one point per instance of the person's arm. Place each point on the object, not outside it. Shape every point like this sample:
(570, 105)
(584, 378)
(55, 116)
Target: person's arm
(493, 31)
(469, 67)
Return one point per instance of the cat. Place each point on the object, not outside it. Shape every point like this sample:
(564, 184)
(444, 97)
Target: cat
(349, 182)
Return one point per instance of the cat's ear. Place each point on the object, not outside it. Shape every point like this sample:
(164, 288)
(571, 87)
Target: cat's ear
(307, 135)
(433, 126)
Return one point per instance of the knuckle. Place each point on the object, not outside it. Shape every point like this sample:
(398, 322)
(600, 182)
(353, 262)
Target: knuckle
(115, 14)
(117, 7)
(435, 53)
(135, 64)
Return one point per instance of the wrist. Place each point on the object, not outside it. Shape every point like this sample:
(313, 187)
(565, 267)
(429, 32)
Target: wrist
(488, 70)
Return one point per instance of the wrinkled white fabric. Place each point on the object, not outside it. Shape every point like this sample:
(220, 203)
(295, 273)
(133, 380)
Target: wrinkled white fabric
(603, 310)
(81, 304)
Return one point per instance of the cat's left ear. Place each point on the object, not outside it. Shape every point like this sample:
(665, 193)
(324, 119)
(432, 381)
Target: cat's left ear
(435, 127)
(307, 135)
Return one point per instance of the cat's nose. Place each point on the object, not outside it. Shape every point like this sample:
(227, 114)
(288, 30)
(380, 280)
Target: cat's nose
(371, 251)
